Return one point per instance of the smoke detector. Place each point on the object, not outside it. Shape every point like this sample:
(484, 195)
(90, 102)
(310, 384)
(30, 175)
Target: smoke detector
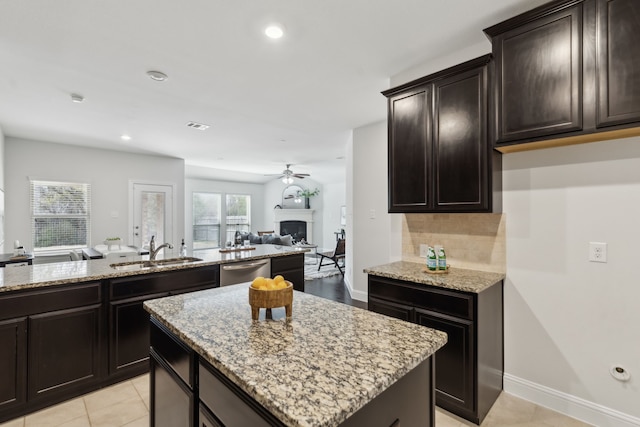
(158, 76)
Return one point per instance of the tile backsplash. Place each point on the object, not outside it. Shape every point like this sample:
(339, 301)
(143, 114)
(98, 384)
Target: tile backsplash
(474, 241)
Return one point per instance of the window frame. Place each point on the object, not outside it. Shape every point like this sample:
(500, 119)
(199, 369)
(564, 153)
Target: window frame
(86, 203)
(220, 219)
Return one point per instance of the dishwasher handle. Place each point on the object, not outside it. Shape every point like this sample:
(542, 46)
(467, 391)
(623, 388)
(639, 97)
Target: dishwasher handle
(247, 266)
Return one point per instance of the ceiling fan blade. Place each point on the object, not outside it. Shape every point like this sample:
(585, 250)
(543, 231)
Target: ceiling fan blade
(301, 175)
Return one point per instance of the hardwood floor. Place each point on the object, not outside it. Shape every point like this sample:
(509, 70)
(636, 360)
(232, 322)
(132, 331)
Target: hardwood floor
(332, 288)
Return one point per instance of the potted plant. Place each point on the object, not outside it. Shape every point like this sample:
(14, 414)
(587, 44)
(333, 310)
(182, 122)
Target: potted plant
(308, 194)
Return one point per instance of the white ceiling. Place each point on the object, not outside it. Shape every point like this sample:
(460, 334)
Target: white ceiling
(294, 100)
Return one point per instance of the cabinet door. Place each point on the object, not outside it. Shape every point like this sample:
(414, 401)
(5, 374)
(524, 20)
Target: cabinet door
(392, 309)
(64, 350)
(460, 142)
(539, 76)
(618, 62)
(410, 150)
(129, 336)
(291, 268)
(171, 401)
(13, 353)
(455, 368)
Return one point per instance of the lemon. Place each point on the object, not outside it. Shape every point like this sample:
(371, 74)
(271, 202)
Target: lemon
(281, 285)
(278, 279)
(259, 282)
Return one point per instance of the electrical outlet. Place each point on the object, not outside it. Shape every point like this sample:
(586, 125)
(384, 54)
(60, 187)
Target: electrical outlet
(423, 250)
(597, 252)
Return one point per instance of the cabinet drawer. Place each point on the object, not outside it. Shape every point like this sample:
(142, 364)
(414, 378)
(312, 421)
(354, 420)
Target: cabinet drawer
(290, 262)
(430, 298)
(229, 404)
(173, 352)
(49, 299)
(128, 287)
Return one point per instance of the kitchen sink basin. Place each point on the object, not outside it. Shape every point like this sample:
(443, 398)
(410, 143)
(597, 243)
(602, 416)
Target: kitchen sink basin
(145, 265)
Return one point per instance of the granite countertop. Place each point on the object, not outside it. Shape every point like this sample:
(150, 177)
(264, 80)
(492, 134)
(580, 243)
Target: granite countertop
(60, 273)
(315, 369)
(458, 279)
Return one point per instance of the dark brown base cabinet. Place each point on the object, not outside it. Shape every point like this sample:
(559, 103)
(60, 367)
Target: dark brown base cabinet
(291, 268)
(469, 368)
(51, 346)
(186, 391)
(129, 322)
(59, 342)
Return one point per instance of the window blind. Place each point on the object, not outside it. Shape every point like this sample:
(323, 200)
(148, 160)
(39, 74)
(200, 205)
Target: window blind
(60, 216)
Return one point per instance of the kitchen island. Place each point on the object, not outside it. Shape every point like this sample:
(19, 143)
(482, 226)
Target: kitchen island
(329, 364)
(69, 328)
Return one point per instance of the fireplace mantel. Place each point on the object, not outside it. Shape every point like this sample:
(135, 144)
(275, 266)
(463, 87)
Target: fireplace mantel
(305, 215)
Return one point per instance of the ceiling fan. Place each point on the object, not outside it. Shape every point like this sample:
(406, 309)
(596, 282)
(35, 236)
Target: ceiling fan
(287, 175)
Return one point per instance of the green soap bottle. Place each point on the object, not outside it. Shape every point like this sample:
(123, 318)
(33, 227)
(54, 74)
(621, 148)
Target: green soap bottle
(442, 259)
(432, 260)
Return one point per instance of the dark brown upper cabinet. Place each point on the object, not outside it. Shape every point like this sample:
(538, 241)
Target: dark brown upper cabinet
(440, 157)
(567, 72)
(618, 62)
(539, 76)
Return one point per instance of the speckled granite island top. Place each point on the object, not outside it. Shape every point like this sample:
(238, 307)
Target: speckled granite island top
(60, 273)
(457, 278)
(315, 369)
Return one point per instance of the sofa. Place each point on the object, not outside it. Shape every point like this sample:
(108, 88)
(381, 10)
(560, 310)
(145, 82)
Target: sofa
(273, 239)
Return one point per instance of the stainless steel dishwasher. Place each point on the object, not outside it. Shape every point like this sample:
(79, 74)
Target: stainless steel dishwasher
(246, 271)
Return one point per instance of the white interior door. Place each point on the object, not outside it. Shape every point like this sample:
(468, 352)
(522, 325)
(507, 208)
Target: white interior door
(152, 214)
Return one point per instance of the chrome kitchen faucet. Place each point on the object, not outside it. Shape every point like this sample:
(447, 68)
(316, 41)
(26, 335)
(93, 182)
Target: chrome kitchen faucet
(152, 248)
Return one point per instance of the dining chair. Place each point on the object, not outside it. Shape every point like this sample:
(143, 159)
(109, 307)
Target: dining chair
(337, 255)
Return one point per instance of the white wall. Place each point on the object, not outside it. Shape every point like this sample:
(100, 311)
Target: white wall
(108, 172)
(2, 222)
(333, 198)
(376, 234)
(568, 320)
(256, 191)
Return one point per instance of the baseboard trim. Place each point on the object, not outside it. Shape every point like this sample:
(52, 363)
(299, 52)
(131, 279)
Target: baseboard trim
(572, 406)
(359, 295)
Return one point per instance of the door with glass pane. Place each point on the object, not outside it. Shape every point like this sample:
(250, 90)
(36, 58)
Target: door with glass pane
(152, 214)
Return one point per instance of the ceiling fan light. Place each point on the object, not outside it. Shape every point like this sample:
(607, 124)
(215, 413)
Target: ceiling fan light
(287, 180)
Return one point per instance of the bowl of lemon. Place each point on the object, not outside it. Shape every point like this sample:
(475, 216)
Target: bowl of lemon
(270, 293)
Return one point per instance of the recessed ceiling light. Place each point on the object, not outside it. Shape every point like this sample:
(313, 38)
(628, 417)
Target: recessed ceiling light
(198, 126)
(274, 31)
(125, 137)
(77, 98)
(158, 76)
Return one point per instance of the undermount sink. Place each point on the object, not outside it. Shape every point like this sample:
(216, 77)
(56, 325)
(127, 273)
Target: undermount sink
(144, 265)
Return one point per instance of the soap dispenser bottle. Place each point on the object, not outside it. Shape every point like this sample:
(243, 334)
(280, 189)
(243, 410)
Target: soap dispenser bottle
(183, 249)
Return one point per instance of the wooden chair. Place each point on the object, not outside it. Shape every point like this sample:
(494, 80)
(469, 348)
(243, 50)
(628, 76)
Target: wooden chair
(338, 254)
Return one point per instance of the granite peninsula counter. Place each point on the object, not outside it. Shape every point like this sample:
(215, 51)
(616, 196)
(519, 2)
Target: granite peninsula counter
(61, 273)
(330, 364)
(70, 328)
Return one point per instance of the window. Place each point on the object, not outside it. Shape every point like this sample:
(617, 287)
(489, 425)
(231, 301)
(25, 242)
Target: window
(60, 216)
(238, 214)
(207, 212)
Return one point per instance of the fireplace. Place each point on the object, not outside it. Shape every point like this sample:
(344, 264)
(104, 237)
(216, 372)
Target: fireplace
(285, 217)
(297, 229)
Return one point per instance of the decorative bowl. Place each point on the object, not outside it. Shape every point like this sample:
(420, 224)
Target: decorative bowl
(263, 298)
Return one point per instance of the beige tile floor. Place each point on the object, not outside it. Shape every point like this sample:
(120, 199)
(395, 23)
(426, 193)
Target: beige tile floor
(126, 404)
